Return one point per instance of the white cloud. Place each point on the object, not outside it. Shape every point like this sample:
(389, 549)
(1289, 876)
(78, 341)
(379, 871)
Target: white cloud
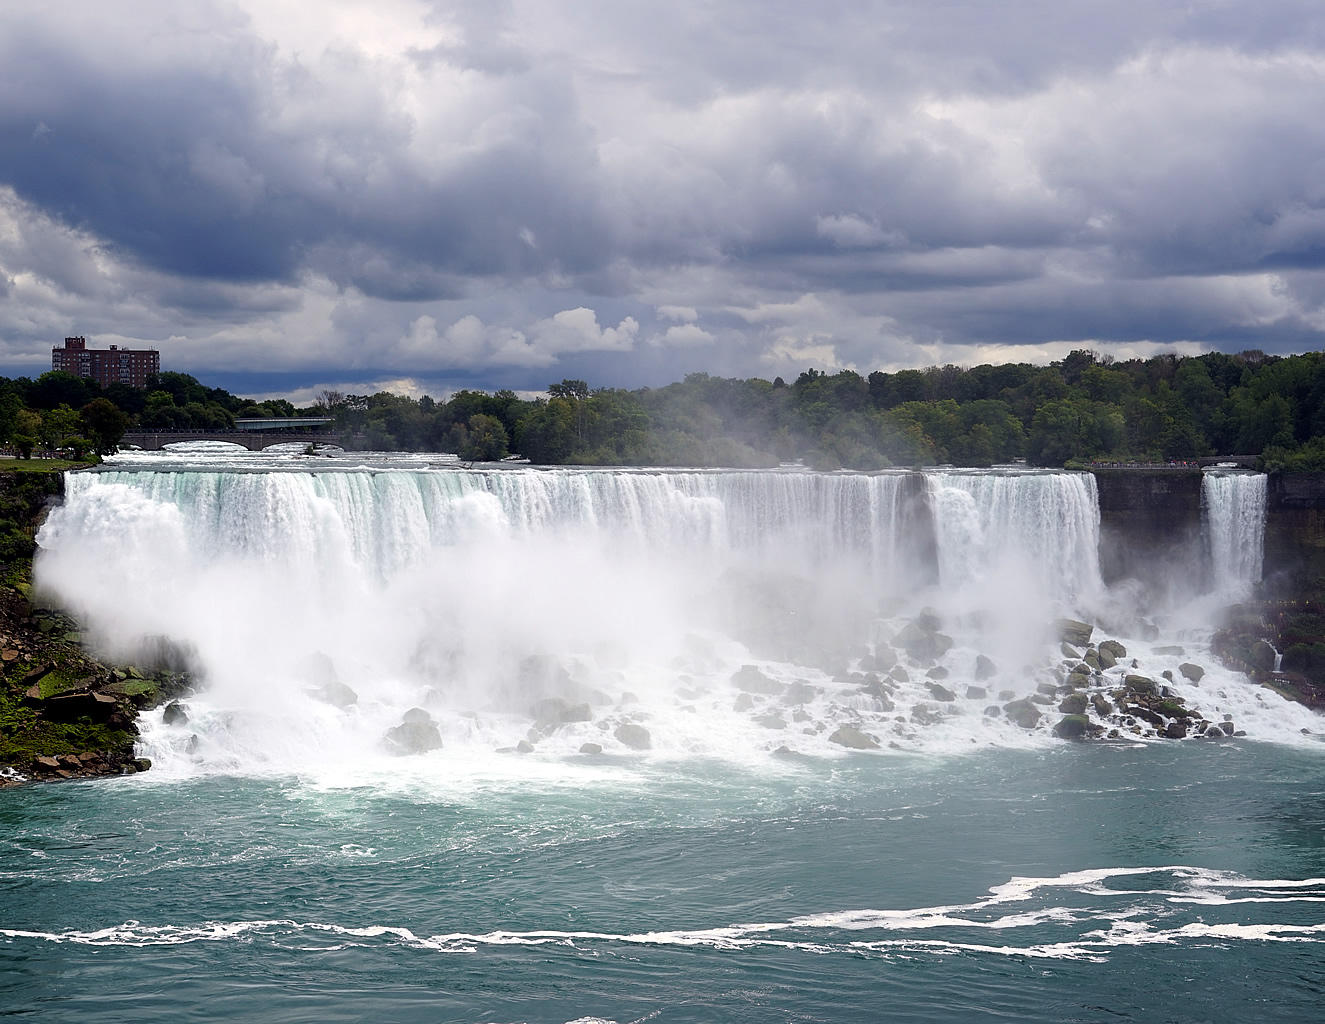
(683, 336)
(682, 314)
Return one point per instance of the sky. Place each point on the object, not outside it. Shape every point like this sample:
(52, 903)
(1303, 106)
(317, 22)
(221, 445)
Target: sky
(284, 196)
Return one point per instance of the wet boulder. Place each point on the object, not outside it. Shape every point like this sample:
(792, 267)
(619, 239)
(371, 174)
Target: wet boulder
(937, 672)
(984, 668)
(884, 658)
(1261, 656)
(591, 748)
(1073, 727)
(801, 692)
(175, 714)
(940, 692)
(1115, 650)
(1142, 685)
(1105, 658)
(636, 737)
(416, 734)
(976, 693)
(1102, 705)
(852, 738)
(771, 721)
(1069, 651)
(1023, 713)
(337, 694)
(1193, 672)
(1074, 632)
(1073, 704)
(743, 702)
(749, 679)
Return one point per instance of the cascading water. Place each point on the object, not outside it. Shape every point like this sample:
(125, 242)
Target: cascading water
(726, 613)
(1233, 506)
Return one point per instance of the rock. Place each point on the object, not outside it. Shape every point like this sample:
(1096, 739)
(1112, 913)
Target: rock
(1193, 672)
(45, 764)
(801, 692)
(1149, 631)
(175, 714)
(1069, 651)
(415, 735)
(976, 693)
(1170, 652)
(1102, 705)
(1006, 694)
(1041, 698)
(1261, 655)
(634, 736)
(1073, 631)
(1092, 661)
(853, 739)
(993, 711)
(1105, 658)
(1072, 727)
(1176, 730)
(337, 694)
(771, 721)
(900, 674)
(749, 679)
(578, 713)
(1141, 684)
(1116, 650)
(524, 747)
(937, 672)
(744, 702)
(549, 709)
(922, 715)
(940, 692)
(884, 657)
(628, 698)
(591, 748)
(1073, 704)
(1048, 689)
(943, 644)
(928, 620)
(1023, 713)
(984, 668)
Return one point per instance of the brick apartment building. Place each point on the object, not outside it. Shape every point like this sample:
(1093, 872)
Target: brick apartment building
(114, 365)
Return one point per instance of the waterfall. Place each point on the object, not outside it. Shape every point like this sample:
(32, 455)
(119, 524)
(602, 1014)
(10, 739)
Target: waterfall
(1233, 507)
(1048, 521)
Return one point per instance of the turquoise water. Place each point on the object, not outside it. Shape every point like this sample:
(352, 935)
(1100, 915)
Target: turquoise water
(858, 889)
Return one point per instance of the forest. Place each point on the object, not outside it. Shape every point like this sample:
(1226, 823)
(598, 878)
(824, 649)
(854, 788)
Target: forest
(1085, 408)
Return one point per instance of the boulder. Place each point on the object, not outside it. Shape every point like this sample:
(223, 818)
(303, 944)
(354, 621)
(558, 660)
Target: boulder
(976, 693)
(1073, 704)
(1073, 631)
(884, 658)
(591, 748)
(524, 747)
(940, 692)
(937, 672)
(922, 715)
(1176, 730)
(634, 736)
(1193, 672)
(1170, 652)
(984, 668)
(1115, 649)
(1092, 661)
(852, 738)
(1069, 651)
(1141, 684)
(744, 702)
(549, 709)
(1041, 698)
(771, 721)
(749, 679)
(993, 711)
(1102, 705)
(1261, 656)
(900, 674)
(801, 692)
(416, 734)
(175, 714)
(1006, 694)
(1048, 689)
(928, 619)
(337, 694)
(1023, 713)
(1072, 727)
(1105, 658)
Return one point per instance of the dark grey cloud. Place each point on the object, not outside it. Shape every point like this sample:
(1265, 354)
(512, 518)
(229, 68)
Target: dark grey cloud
(494, 190)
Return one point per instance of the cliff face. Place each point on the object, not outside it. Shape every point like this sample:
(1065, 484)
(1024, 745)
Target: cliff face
(1150, 525)
(1295, 536)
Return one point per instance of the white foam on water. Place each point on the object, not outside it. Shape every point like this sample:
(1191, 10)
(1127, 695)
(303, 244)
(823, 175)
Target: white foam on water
(1131, 918)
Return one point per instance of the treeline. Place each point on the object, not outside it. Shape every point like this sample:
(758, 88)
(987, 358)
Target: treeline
(1087, 407)
(62, 413)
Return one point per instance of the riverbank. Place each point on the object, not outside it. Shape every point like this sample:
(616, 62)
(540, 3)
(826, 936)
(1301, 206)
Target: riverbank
(63, 713)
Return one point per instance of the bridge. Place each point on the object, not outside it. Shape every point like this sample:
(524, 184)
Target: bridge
(253, 440)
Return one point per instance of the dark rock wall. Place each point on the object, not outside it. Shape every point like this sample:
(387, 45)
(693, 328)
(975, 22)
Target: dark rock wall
(1150, 526)
(1295, 536)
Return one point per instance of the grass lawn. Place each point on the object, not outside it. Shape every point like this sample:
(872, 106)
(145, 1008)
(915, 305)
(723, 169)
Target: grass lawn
(41, 465)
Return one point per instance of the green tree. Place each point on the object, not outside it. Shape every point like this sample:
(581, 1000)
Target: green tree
(104, 425)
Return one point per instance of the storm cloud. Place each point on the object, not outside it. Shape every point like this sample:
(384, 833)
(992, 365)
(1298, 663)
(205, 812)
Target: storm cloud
(503, 194)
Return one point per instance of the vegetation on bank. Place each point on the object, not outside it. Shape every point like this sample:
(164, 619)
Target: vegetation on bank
(1084, 408)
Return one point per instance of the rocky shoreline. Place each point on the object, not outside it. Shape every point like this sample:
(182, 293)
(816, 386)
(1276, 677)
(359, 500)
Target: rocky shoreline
(63, 713)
